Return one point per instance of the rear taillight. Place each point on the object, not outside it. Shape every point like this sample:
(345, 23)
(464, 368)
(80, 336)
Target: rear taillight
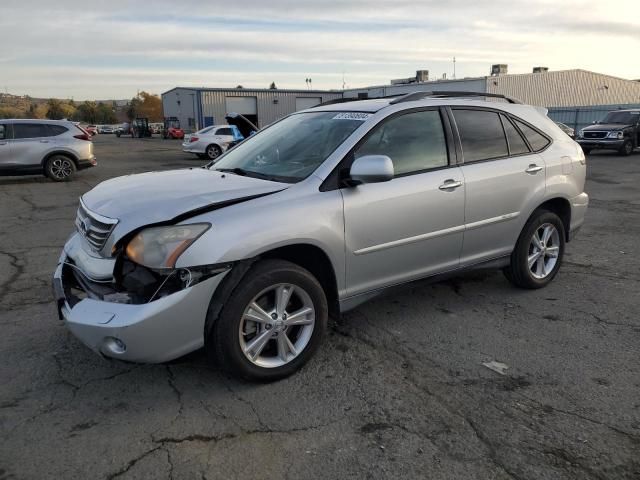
(194, 139)
(83, 136)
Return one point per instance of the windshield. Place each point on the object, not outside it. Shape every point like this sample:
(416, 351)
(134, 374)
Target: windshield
(626, 118)
(291, 149)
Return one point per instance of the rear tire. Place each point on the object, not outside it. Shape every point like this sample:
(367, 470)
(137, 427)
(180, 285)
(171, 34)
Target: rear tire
(626, 149)
(537, 257)
(213, 151)
(283, 347)
(586, 151)
(59, 168)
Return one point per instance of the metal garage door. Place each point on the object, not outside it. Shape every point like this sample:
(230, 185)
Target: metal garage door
(242, 105)
(307, 102)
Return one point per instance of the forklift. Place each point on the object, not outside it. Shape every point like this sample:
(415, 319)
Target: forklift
(172, 128)
(140, 128)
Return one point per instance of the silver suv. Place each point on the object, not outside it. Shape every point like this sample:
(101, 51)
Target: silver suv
(50, 147)
(312, 216)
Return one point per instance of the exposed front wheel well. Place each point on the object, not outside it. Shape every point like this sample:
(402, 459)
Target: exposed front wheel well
(316, 261)
(562, 208)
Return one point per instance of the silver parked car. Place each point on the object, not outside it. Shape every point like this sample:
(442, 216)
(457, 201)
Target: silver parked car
(312, 216)
(211, 142)
(54, 148)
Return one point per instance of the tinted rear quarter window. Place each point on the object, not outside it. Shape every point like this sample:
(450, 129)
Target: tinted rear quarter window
(481, 135)
(55, 130)
(517, 145)
(535, 139)
(29, 130)
(224, 131)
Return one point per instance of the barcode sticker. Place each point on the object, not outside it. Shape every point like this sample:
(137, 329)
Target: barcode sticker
(352, 116)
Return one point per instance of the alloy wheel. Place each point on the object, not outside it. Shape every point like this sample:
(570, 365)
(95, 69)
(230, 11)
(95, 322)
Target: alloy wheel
(544, 251)
(277, 325)
(61, 168)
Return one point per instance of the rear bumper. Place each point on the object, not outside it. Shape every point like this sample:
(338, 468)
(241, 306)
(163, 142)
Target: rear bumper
(192, 148)
(87, 163)
(579, 205)
(609, 144)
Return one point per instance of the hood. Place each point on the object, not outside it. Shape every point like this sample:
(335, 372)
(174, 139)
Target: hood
(155, 197)
(244, 125)
(607, 126)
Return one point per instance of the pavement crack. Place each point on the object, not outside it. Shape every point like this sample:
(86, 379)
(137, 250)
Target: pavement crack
(176, 390)
(131, 463)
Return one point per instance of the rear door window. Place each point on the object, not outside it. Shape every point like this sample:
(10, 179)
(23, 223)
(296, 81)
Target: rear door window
(55, 130)
(224, 131)
(29, 130)
(481, 135)
(3, 132)
(517, 145)
(536, 140)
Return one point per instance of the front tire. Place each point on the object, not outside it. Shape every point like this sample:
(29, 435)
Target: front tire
(272, 324)
(627, 148)
(536, 259)
(59, 168)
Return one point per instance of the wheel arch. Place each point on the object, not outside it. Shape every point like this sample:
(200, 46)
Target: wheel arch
(561, 207)
(305, 255)
(64, 153)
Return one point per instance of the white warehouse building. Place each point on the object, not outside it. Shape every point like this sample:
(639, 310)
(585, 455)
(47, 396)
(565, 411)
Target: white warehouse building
(200, 107)
(575, 97)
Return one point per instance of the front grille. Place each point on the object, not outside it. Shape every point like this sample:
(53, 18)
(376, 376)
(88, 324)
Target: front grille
(94, 228)
(595, 134)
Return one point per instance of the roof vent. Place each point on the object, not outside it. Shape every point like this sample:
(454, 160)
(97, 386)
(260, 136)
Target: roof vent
(540, 69)
(499, 69)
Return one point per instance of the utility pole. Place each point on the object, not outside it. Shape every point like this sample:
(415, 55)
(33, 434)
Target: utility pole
(454, 67)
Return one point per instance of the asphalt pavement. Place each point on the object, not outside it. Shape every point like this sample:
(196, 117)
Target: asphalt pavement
(399, 388)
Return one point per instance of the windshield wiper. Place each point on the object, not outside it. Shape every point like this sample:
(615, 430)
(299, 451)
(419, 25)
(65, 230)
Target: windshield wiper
(236, 170)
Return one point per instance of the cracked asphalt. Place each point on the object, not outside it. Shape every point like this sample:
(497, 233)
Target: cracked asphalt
(398, 389)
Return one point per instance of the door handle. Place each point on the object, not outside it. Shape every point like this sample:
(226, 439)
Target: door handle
(533, 168)
(450, 185)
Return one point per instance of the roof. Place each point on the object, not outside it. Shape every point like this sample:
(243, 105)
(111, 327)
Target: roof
(34, 120)
(253, 90)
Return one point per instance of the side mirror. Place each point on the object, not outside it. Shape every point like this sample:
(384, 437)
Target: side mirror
(371, 169)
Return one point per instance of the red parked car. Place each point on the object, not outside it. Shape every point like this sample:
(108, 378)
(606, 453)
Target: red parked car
(92, 129)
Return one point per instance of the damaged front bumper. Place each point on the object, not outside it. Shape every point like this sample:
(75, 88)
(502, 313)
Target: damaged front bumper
(160, 329)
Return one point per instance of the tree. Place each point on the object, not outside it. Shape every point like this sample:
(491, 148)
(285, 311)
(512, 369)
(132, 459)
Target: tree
(10, 112)
(146, 105)
(239, 86)
(273, 86)
(88, 112)
(54, 109)
(105, 114)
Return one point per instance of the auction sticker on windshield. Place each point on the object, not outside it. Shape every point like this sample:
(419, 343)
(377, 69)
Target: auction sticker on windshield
(352, 116)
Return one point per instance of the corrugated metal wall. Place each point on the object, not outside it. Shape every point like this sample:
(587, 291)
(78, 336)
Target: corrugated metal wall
(470, 85)
(566, 88)
(271, 104)
(580, 117)
(181, 103)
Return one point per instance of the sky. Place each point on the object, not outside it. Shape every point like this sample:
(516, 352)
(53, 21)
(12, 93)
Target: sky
(111, 49)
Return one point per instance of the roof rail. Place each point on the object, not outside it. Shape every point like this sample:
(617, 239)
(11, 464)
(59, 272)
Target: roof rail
(345, 100)
(413, 96)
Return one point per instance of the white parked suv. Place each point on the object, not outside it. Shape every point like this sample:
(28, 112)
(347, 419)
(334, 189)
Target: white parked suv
(312, 216)
(211, 142)
(53, 148)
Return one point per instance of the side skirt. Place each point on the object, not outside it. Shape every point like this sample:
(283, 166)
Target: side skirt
(349, 303)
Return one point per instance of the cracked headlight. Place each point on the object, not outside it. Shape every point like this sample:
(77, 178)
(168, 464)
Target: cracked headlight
(160, 247)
